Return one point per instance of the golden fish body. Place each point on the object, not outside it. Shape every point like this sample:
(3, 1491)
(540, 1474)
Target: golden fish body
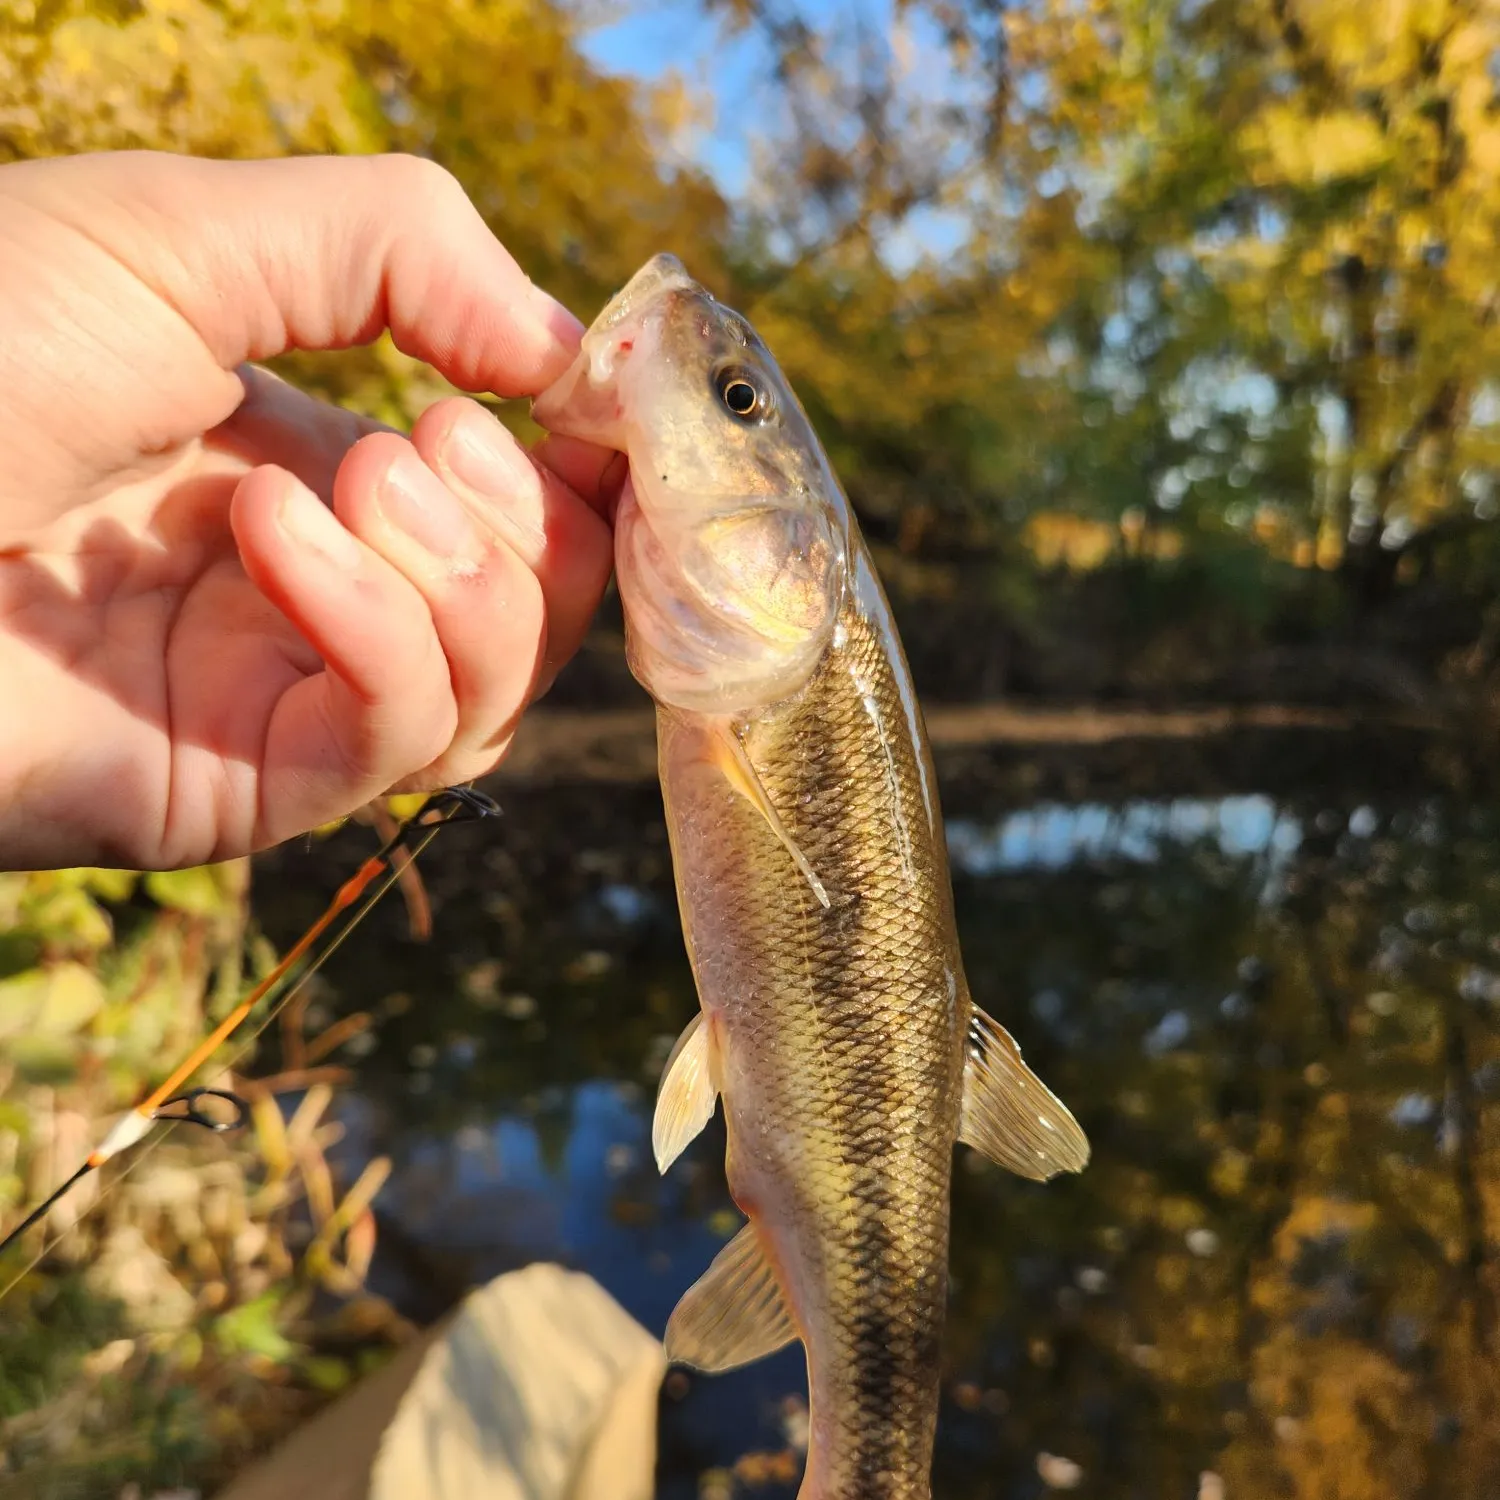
(812, 874)
(840, 1034)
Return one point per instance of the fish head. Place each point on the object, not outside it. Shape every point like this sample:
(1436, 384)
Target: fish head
(732, 536)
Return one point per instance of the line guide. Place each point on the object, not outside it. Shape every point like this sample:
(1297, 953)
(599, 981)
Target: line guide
(166, 1104)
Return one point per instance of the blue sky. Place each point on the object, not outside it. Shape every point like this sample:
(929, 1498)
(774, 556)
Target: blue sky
(660, 36)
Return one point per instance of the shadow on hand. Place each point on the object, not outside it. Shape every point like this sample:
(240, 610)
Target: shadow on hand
(145, 668)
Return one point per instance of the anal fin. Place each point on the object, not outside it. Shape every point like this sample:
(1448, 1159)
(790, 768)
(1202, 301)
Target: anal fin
(730, 757)
(1009, 1114)
(688, 1091)
(734, 1314)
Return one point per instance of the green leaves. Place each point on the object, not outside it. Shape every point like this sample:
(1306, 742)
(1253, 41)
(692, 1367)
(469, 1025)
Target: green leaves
(253, 1328)
(54, 1001)
(201, 891)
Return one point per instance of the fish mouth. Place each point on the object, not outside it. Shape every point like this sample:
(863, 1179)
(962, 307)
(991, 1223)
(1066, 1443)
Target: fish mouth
(584, 401)
(662, 273)
(575, 406)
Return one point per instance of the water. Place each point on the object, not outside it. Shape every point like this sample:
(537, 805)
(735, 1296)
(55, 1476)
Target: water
(1271, 995)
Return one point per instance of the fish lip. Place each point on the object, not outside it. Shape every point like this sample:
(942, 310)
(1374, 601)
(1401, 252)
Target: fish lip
(585, 400)
(573, 406)
(661, 274)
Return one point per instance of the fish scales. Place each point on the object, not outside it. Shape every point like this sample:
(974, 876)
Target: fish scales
(862, 1142)
(834, 1021)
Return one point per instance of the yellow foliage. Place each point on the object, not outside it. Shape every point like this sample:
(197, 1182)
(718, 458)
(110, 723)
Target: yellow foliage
(1055, 538)
(1074, 541)
(1285, 143)
(1231, 1173)
(1341, 1413)
(1317, 1218)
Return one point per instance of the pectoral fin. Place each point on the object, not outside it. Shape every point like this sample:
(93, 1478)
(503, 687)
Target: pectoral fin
(729, 755)
(1010, 1114)
(733, 1314)
(689, 1088)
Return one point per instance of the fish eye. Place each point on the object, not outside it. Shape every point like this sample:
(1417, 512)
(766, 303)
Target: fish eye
(741, 396)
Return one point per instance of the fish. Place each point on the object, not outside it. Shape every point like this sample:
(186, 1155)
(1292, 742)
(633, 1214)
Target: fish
(835, 1021)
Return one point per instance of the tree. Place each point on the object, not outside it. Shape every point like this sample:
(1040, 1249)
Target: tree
(1253, 238)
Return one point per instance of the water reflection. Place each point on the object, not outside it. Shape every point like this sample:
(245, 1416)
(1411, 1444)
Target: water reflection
(1275, 1016)
(1055, 835)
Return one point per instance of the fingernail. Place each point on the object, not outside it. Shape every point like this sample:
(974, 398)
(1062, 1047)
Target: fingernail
(415, 499)
(484, 457)
(309, 522)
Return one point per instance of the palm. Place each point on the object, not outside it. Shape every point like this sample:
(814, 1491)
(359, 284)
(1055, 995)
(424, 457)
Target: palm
(161, 671)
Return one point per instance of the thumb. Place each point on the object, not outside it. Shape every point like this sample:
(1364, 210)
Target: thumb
(319, 253)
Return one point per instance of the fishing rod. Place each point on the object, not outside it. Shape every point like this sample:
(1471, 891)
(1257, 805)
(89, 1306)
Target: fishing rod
(167, 1104)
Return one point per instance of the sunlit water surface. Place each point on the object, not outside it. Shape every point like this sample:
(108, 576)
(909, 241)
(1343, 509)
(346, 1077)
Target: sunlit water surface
(1275, 1016)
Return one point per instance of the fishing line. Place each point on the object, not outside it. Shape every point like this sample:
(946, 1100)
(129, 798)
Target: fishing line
(352, 902)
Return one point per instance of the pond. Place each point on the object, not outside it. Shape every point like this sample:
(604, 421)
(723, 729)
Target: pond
(1262, 968)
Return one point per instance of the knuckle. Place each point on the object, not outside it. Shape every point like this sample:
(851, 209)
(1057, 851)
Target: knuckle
(421, 181)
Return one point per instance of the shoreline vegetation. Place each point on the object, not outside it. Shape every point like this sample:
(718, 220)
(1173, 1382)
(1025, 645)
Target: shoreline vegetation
(605, 745)
(204, 1293)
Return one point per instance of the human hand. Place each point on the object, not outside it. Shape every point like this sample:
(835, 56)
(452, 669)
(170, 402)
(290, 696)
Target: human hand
(229, 612)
